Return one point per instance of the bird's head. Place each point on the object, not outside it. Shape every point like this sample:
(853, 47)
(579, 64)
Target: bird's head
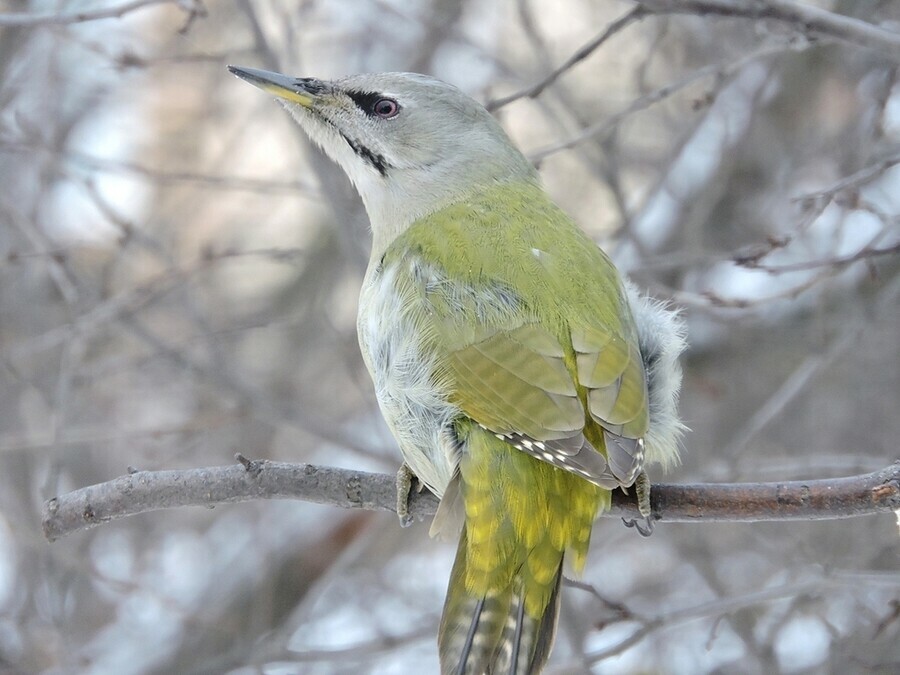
(409, 143)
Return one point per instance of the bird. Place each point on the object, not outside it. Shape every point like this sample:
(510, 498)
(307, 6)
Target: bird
(522, 376)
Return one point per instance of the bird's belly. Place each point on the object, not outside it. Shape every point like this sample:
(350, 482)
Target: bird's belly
(403, 369)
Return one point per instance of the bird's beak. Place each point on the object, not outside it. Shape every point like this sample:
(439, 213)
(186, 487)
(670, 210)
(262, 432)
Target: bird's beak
(303, 91)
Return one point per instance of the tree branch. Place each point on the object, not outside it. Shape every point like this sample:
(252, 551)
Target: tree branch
(24, 20)
(144, 491)
(804, 18)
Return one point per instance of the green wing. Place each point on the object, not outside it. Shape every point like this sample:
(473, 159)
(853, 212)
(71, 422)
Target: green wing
(515, 381)
(535, 344)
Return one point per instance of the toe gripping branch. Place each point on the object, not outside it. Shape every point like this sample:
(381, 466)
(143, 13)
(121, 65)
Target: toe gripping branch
(405, 478)
(642, 492)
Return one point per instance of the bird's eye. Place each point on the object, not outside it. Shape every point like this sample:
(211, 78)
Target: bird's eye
(386, 108)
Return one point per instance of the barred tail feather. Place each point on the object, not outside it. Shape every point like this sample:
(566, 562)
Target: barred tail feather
(526, 642)
(494, 634)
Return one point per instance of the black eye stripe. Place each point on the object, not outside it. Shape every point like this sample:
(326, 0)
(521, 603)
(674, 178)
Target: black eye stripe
(366, 100)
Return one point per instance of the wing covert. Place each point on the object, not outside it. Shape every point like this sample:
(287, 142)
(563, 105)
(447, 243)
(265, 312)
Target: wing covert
(516, 382)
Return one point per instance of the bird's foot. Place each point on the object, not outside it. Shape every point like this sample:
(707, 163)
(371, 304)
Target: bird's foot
(405, 478)
(642, 492)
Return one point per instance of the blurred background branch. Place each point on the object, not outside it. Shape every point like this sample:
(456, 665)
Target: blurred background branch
(179, 272)
(805, 18)
(28, 20)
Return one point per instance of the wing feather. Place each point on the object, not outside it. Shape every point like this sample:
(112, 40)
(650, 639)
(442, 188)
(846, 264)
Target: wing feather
(546, 381)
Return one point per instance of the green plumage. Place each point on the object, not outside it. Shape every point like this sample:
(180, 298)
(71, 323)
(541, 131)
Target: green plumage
(517, 306)
(521, 516)
(503, 282)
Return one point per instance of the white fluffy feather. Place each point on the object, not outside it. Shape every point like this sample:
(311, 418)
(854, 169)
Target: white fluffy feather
(661, 336)
(414, 405)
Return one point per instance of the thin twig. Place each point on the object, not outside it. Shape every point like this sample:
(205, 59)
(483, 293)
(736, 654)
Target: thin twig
(145, 491)
(852, 181)
(716, 71)
(165, 176)
(583, 52)
(841, 261)
(802, 17)
(721, 607)
(23, 20)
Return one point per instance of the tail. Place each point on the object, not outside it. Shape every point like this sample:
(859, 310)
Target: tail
(494, 632)
(521, 516)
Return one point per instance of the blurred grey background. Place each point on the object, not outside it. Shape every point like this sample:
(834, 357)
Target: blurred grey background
(179, 273)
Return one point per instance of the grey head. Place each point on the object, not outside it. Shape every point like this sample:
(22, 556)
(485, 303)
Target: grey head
(409, 143)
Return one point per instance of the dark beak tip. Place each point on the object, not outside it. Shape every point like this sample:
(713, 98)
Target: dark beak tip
(247, 74)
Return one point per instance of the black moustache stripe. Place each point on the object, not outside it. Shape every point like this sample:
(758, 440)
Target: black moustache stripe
(375, 160)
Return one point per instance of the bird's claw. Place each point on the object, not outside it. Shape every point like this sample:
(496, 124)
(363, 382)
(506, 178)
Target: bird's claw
(643, 526)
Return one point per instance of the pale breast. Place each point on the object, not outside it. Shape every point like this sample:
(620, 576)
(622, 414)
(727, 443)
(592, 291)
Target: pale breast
(412, 401)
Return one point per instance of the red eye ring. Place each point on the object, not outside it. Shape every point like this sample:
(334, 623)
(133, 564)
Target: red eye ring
(386, 108)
